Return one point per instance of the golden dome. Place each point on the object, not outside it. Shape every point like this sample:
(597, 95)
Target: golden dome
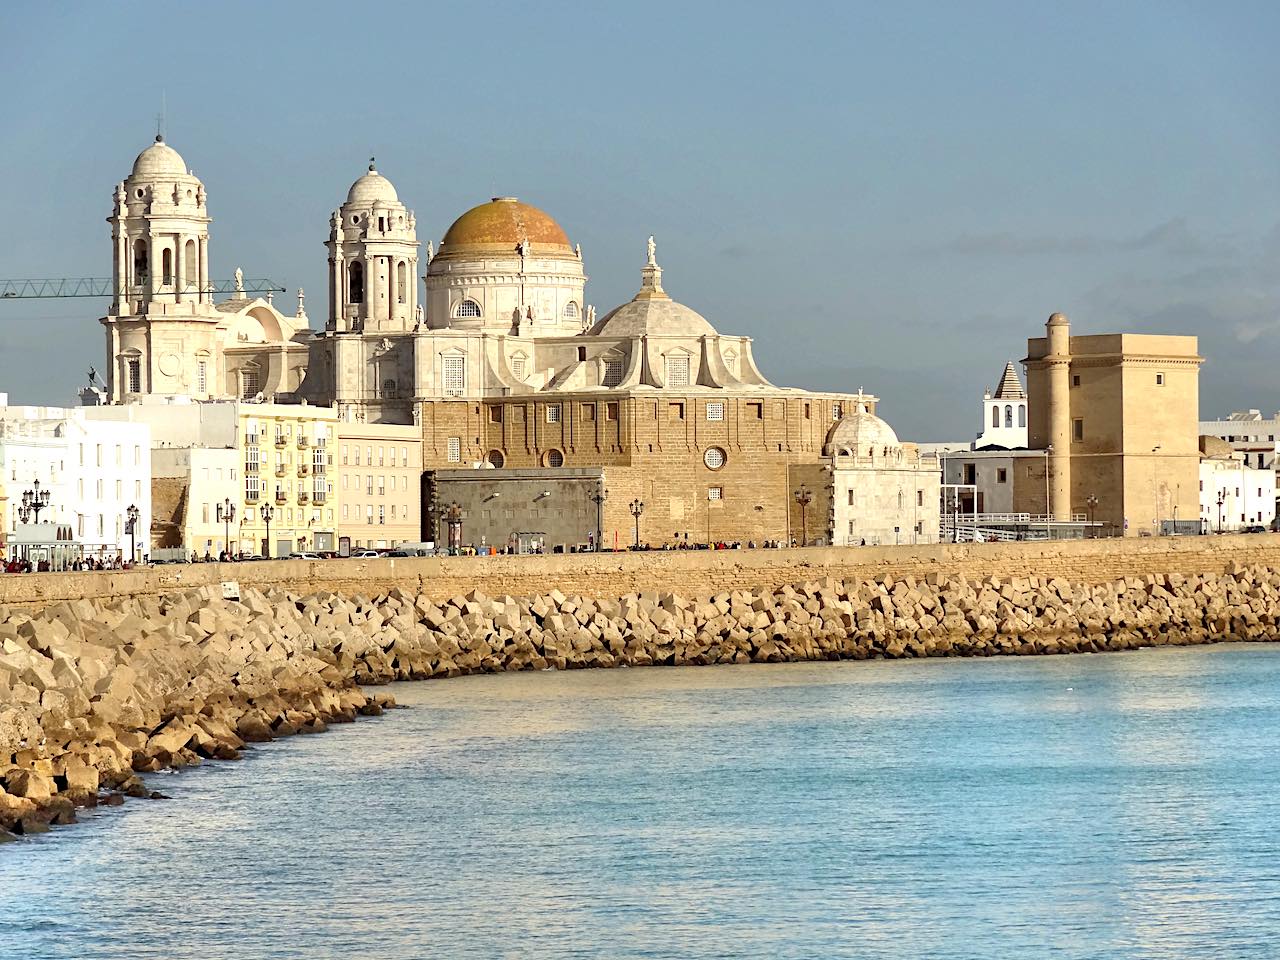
(502, 225)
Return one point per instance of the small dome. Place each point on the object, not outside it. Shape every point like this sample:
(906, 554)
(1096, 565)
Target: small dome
(860, 433)
(371, 188)
(652, 317)
(159, 160)
(503, 224)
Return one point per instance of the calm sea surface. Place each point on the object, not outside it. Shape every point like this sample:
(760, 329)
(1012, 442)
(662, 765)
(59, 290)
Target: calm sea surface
(1123, 805)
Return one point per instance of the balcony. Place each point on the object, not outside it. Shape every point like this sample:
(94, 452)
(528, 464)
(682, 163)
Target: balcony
(281, 470)
(252, 466)
(251, 496)
(318, 496)
(304, 469)
(281, 440)
(303, 496)
(303, 442)
(281, 496)
(252, 439)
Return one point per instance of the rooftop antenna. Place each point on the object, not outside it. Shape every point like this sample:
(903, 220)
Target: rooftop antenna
(160, 119)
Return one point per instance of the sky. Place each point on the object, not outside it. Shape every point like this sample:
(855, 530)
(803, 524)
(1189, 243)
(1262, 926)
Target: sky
(886, 196)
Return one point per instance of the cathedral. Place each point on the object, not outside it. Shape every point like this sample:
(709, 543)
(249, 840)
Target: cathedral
(496, 358)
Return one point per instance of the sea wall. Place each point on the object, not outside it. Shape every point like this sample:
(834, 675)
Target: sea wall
(92, 692)
(690, 572)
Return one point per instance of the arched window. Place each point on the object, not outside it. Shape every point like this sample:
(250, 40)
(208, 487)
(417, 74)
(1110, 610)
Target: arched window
(1008, 415)
(189, 268)
(571, 310)
(355, 282)
(140, 269)
(995, 416)
(388, 388)
(166, 266)
(1022, 414)
(402, 283)
(467, 308)
(496, 459)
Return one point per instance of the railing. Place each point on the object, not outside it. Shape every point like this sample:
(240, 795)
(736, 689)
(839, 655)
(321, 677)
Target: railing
(280, 470)
(318, 497)
(252, 439)
(281, 497)
(303, 469)
(303, 442)
(281, 440)
(251, 496)
(303, 496)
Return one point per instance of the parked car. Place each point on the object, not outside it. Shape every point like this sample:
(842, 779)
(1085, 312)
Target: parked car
(1255, 528)
(366, 554)
(304, 556)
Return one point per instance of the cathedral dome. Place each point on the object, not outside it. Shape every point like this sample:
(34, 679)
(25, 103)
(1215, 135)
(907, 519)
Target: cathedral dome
(372, 188)
(504, 223)
(861, 433)
(159, 160)
(651, 312)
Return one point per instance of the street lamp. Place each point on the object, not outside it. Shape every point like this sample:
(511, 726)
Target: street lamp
(226, 512)
(33, 501)
(453, 520)
(1092, 503)
(637, 508)
(267, 512)
(131, 524)
(1222, 498)
(1155, 483)
(804, 497)
(598, 498)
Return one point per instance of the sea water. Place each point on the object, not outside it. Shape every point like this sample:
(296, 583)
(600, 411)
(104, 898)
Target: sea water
(1117, 805)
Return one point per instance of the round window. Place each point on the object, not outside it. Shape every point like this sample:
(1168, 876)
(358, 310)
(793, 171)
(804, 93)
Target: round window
(714, 458)
(555, 458)
(496, 459)
(138, 193)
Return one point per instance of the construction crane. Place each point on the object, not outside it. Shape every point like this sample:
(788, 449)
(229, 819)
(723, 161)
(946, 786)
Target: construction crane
(89, 287)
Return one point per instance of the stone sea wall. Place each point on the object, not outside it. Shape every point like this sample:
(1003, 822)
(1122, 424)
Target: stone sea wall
(700, 571)
(94, 692)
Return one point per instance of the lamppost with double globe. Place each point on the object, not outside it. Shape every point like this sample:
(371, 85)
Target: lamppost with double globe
(1222, 498)
(226, 511)
(268, 513)
(1092, 502)
(131, 515)
(637, 508)
(804, 497)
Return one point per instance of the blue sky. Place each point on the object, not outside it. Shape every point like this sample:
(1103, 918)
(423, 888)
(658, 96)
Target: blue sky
(892, 196)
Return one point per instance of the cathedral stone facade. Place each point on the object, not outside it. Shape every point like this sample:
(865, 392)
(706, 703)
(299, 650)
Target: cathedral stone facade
(501, 365)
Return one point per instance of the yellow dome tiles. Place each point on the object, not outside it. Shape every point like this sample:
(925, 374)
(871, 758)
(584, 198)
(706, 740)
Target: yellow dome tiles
(505, 223)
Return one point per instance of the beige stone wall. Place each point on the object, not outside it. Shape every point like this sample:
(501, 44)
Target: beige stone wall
(690, 573)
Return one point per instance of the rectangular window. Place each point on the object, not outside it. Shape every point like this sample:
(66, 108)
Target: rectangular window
(715, 410)
(495, 414)
(368, 514)
(135, 375)
(1077, 429)
(1075, 379)
(368, 485)
(1159, 379)
(248, 384)
(970, 474)
(919, 498)
(380, 456)
(455, 450)
(344, 511)
(137, 456)
(251, 488)
(612, 373)
(851, 498)
(368, 456)
(344, 454)
(344, 481)
(455, 376)
(553, 413)
(588, 411)
(807, 412)
(404, 456)
(1002, 475)
(204, 512)
(382, 486)
(851, 528)
(382, 514)
(675, 411)
(755, 410)
(678, 371)
(715, 493)
(202, 376)
(611, 410)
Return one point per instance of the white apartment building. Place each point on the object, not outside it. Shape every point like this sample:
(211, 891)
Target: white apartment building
(93, 471)
(379, 474)
(1233, 495)
(1250, 434)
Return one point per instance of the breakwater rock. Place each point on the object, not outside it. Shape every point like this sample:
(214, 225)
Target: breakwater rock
(93, 693)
